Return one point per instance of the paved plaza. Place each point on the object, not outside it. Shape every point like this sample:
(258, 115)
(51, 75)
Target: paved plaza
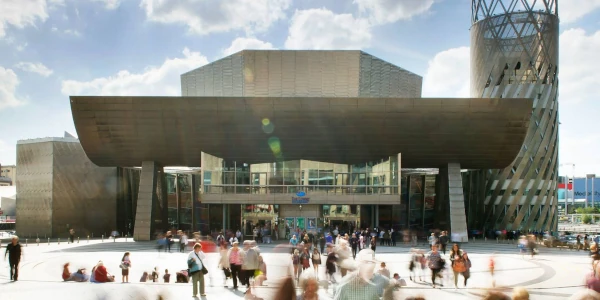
(554, 274)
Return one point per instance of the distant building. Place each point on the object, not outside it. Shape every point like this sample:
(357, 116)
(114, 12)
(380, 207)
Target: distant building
(59, 188)
(8, 175)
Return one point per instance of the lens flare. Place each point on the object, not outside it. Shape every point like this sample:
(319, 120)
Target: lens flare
(267, 126)
(275, 146)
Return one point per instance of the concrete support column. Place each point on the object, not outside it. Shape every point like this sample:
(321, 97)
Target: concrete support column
(147, 198)
(456, 201)
(195, 196)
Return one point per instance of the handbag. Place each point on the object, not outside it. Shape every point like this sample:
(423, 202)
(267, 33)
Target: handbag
(204, 269)
(459, 266)
(227, 272)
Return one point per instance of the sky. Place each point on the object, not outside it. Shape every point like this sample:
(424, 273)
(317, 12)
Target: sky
(50, 49)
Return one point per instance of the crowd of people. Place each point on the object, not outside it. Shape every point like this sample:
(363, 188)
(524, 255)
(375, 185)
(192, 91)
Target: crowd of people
(348, 260)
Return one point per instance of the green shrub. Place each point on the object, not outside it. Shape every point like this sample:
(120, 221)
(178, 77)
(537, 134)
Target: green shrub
(587, 219)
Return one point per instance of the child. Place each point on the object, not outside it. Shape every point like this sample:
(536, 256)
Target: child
(144, 277)
(155, 275)
(167, 276)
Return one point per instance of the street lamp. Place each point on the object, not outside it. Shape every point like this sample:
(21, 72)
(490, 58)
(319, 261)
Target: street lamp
(592, 177)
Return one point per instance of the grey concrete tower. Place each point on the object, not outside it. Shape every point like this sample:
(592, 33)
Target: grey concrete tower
(514, 53)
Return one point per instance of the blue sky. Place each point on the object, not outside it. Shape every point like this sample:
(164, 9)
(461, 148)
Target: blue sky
(50, 49)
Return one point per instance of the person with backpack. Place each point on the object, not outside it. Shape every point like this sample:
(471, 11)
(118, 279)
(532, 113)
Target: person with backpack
(436, 264)
(444, 241)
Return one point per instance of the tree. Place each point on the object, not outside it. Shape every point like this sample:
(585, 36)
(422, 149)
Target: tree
(587, 219)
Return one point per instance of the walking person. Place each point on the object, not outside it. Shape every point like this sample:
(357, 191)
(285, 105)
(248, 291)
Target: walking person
(125, 265)
(373, 245)
(250, 261)
(183, 241)
(316, 260)
(72, 235)
(305, 259)
(296, 263)
(457, 263)
(197, 269)
(435, 264)
(224, 263)
(322, 243)
(354, 245)
(13, 250)
(235, 263)
(444, 241)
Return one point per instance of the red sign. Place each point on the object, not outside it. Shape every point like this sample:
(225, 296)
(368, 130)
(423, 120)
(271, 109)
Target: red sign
(562, 186)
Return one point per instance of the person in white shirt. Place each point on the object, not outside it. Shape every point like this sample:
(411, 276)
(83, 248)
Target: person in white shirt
(195, 263)
(232, 240)
(183, 240)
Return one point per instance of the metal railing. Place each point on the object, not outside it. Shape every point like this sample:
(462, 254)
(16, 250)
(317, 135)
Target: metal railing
(308, 189)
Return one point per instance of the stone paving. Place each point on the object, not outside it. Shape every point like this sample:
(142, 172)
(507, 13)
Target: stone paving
(554, 274)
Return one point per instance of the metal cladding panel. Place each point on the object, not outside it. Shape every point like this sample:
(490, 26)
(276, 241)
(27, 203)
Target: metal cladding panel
(34, 189)
(478, 133)
(220, 78)
(84, 196)
(514, 53)
(303, 73)
(379, 78)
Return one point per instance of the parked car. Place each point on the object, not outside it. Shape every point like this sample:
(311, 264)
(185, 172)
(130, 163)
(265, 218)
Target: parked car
(553, 242)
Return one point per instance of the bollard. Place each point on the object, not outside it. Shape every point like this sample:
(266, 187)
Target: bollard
(103, 238)
(48, 241)
(25, 242)
(88, 239)
(77, 240)
(497, 241)
(126, 237)
(37, 241)
(59, 241)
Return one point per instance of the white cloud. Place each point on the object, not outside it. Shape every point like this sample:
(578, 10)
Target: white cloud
(37, 68)
(240, 44)
(153, 81)
(321, 29)
(572, 10)
(448, 74)
(8, 85)
(208, 16)
(22, 13)
(390, 11)
(579, 65)
(72, 32)
(22, 46)
(109, 4)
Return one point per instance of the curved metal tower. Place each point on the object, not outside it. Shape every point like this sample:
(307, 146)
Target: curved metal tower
(514, 53)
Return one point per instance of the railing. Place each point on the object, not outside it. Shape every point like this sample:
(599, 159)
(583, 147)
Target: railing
(308, 189)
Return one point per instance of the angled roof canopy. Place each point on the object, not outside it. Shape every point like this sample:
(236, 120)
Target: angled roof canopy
(173, 131)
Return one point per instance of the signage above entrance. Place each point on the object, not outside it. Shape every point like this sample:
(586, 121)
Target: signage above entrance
(300, 198)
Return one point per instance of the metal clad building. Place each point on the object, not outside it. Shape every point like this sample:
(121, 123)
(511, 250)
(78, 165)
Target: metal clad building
(514, 54)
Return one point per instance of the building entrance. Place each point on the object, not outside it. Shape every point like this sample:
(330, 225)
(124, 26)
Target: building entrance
(298, 225)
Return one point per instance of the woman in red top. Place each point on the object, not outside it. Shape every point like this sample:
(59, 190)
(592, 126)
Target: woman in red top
(66, 274)
(101, 274)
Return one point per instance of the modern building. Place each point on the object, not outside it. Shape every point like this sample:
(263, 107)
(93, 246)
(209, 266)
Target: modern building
(514, 54)
(298, 139)
(7, 175)
(59, 188)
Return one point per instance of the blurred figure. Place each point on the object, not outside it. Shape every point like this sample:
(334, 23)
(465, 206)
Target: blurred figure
(309, 287)
(520, 293)
(250, 261)
(330, 263)
(101, 275)
(492, 267)
(66, 275)
(13, 251)
(316, 261)
(593, 279)
(436, 264)
(492, 295)
(364, 284)
(384, 271)
(224, 263)
(287, 290)
(234, 255)
(261, 272)
(343, 253)
(296, 263)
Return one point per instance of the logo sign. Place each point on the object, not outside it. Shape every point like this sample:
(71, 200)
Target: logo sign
(300, 198)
